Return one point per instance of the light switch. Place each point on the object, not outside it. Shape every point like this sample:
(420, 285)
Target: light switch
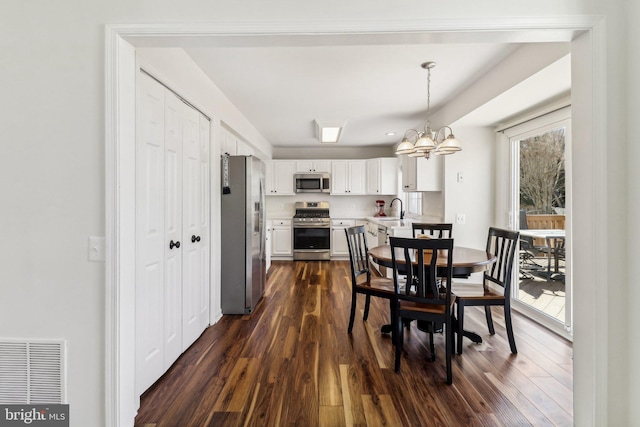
(460, 178)
(96, 248)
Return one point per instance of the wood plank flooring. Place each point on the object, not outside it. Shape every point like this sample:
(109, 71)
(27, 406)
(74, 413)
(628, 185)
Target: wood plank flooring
(292, 363)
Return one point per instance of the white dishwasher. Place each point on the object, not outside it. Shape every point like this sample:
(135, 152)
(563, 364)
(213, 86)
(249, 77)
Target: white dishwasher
(383, 235)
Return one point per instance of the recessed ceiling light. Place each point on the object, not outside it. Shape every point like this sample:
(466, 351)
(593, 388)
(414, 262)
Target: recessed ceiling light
(328, 132)
(390, 133)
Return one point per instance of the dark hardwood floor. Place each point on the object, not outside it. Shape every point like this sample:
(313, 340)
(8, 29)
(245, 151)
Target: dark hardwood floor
(292, 363)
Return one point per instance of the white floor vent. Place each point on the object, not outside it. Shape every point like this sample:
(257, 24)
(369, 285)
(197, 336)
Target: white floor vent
(32, 372)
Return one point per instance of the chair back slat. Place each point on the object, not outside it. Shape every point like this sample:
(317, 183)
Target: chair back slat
(503, 244)
(418, 259)
(358, 251)
(434, 230)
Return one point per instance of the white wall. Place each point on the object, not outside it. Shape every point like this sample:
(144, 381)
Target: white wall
(633, 210)
(472, 197)
(52, 175)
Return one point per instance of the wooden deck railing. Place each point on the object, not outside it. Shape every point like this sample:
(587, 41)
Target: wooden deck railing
(544, 222)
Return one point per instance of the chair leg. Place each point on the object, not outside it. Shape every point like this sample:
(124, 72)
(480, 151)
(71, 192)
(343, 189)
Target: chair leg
(366, 307)
(399, 338)
(487, 312)
(394, 320)
(507, 321)
(432, 346)
(449, 349)
(353, 311)
(460, 326)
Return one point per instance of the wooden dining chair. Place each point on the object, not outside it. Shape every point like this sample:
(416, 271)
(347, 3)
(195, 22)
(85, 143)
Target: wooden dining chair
(433, 230)
(362, 281)
(503, 244)
(430, 303)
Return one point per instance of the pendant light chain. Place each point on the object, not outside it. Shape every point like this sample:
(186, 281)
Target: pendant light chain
(428, 124)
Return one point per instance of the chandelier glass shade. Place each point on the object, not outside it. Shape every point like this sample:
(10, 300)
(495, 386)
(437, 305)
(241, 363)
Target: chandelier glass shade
(428, 141)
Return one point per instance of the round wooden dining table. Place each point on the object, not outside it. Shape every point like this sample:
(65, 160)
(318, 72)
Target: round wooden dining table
(465, 261)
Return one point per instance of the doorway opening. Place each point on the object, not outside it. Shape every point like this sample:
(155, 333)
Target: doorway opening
(588, 40)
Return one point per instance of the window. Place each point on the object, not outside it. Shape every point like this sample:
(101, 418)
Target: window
(413, 202)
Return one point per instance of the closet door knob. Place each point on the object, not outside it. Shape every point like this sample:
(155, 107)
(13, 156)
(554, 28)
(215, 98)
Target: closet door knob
(172, 245)
(195, 238)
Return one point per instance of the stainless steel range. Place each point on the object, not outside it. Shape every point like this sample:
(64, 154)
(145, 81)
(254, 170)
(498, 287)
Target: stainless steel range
(311, 231)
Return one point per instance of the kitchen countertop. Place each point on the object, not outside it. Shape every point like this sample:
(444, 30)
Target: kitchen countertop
(395, 222)
(391, 222)
(387, 221)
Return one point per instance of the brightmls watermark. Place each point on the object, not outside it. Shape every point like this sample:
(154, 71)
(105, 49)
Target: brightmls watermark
(34, 415)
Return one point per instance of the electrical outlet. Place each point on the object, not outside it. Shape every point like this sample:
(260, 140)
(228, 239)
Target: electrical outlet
(460, 218)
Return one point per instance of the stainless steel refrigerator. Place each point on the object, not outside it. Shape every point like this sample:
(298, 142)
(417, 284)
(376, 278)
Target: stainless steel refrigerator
(242, 234)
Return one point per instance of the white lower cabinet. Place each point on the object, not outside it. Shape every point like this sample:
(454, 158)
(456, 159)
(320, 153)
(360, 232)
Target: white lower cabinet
(339, 246)
(172, 229)
(281, 238)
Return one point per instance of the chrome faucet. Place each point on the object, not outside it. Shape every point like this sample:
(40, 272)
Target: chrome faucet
(401, 211)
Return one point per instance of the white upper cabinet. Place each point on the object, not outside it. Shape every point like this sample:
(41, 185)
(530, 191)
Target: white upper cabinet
(382, 176)
(420, 174)
(348, 177)
(279, 177)
(313, 166)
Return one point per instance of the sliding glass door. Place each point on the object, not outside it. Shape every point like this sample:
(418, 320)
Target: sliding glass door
(541, 209)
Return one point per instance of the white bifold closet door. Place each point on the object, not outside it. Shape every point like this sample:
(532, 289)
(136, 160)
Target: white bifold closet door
(172, 229)
(195, 229)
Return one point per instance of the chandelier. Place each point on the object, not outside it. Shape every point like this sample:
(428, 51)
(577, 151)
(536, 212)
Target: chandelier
(428, 141)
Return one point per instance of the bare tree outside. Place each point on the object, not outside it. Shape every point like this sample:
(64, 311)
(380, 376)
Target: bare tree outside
(542, 174)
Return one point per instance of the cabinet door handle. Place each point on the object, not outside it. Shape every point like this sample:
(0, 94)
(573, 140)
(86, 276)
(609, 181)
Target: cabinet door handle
(176, 244)
(195, 238)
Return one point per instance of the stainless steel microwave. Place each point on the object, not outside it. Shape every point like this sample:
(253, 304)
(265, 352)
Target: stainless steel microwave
(312, 183)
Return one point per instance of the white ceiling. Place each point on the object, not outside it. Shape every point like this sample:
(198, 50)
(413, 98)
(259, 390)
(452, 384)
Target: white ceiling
(374, 88)
(550, 83)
